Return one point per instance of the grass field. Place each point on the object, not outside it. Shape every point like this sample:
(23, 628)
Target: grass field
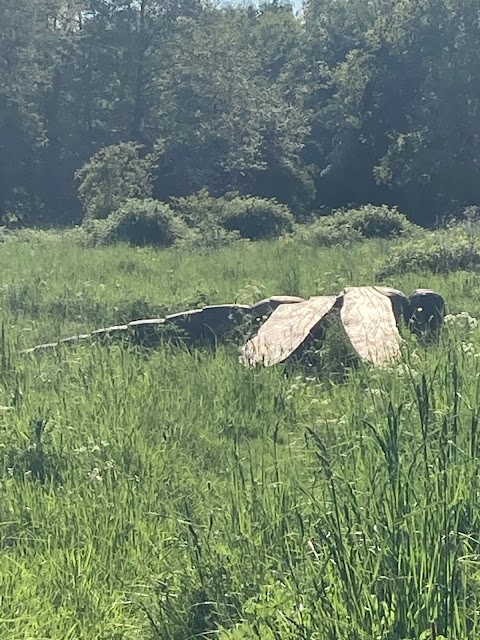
(173, 494)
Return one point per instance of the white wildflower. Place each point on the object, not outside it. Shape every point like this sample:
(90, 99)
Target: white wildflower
(468, 348)
(462, 320)
(95, 475)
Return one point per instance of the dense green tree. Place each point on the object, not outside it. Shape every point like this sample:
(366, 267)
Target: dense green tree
(434, 146)
(349, 102)
(113, 175)
(25, 72)
(398, 110)
(226, 124)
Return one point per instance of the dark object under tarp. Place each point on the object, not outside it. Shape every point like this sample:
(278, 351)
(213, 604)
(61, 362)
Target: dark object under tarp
(368, 316)
(426, 313)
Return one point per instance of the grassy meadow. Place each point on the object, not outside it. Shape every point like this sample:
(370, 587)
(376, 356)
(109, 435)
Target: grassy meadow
(172, 494)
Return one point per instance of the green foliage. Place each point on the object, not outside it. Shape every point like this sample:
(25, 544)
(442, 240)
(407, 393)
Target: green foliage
(438, 252)
(347, 103)
(113, 175)
(207, 237)
(220, 221)
(31, 235)
(141, 223)
(200, 208)
(92, 233)
(176, 494)
(352, 225)
(328, 231)
(27, 68)
(229, 120)
(257, 218)
(377, 222)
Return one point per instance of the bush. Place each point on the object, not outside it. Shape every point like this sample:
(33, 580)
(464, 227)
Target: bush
(113, 175)
(439, 252)
(377, 222)
(345, 227)
(220, 221)
(200, 208)
(203, 214)
(326, 233)
(144, 222)
(92, 233)
(256, 218)
(31, 235)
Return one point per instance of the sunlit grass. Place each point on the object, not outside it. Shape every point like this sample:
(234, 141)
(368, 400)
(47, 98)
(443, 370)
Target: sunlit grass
(174, 494)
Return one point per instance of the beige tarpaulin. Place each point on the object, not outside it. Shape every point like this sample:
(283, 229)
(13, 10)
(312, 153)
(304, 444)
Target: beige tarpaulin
(369, 322)
(289, 328)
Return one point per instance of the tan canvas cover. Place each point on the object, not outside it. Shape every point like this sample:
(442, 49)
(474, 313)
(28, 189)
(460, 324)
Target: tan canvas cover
(286, 331)
(369, 321)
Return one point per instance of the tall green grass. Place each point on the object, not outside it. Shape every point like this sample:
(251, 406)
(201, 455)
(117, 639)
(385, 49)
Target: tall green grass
(174, 494)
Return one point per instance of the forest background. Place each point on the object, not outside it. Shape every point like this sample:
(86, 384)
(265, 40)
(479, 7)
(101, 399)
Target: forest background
(340, 103)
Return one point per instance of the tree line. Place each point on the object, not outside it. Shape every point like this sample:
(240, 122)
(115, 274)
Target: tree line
(342, 103)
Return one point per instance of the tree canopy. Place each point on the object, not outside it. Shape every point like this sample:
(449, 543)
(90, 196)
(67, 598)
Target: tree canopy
(344, 102)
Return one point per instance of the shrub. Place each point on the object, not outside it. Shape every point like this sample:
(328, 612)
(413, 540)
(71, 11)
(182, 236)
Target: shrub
(113, 175)
(376, 222)
(208, 238)
(200, 208)
(144, 222)
(326, 233)
(203, 214)
(220, 221)
(30, 235)
(256, 218)
(91, 233)
(345, 227)
(439, 252)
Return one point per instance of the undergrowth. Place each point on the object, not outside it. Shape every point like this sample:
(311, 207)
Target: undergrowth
(173, 494)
